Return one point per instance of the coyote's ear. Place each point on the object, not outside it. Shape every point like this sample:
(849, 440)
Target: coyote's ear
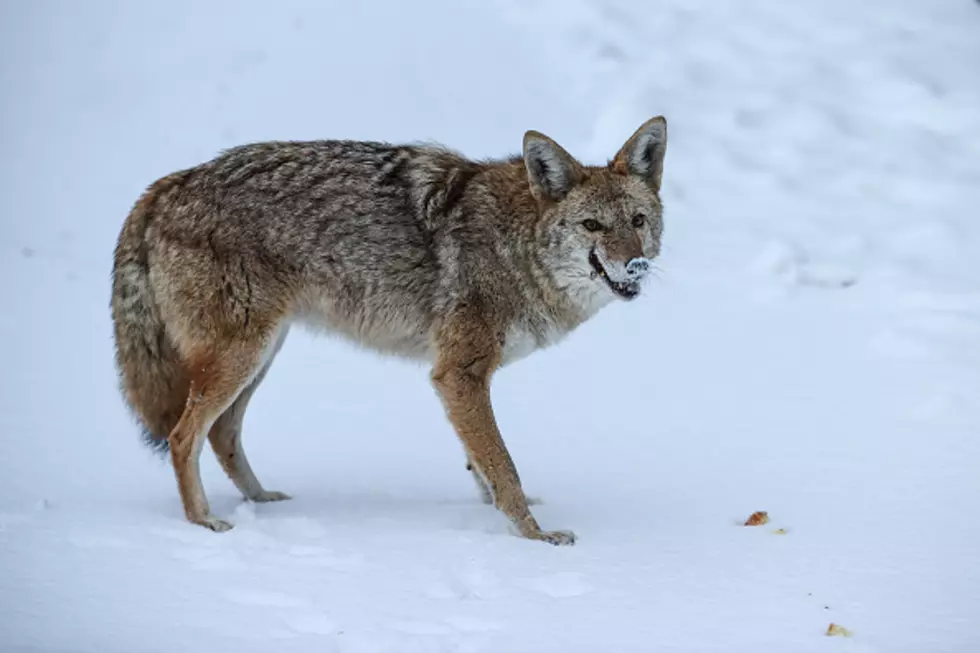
(551, 171)
(643, 153)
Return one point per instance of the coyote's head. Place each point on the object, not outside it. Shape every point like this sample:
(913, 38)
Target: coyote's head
(600, 227)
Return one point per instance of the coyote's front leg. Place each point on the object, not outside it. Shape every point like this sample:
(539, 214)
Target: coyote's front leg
(468, 353)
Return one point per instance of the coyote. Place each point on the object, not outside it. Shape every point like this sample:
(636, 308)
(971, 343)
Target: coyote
(411, 250)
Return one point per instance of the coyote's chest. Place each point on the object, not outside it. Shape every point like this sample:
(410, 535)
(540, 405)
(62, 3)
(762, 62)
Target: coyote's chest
(521, 340)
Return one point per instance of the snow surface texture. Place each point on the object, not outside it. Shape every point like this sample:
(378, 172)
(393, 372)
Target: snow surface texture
(811, 347)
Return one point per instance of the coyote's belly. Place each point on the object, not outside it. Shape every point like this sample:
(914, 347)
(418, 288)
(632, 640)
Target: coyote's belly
(381, 324)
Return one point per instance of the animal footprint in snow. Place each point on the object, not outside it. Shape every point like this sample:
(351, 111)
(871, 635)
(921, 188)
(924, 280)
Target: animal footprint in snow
(792, 265)
(473, 581)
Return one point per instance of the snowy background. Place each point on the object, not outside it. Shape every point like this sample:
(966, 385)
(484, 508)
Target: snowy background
(811, 349)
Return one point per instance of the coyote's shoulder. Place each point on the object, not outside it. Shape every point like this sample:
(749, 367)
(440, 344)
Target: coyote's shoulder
(412, 250)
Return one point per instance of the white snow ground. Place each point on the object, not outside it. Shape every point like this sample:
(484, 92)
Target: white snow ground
(812, 348)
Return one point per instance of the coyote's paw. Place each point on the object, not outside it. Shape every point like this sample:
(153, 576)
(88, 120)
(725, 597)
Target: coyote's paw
(558, 538)
(267, 496)
(214, 524)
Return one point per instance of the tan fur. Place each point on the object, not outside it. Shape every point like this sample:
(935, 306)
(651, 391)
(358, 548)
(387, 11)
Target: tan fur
(409, 250)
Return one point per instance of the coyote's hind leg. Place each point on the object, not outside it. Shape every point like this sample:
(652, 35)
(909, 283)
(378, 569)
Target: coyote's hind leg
(217, 380)
(226, 441)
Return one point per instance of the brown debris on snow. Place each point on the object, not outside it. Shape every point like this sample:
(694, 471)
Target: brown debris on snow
(833, 630)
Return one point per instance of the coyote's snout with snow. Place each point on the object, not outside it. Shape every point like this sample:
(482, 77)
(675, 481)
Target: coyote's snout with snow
(405, 249)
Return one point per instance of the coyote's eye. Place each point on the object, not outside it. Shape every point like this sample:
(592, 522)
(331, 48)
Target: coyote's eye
(592, 225)
(639, 220)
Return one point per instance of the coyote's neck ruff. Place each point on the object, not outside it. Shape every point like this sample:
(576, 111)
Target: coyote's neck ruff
(408, 250)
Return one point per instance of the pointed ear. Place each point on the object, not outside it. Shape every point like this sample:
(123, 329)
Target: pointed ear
(643, 153)
(551, 171)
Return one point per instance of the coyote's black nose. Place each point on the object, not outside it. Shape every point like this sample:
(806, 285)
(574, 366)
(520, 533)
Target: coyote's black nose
(637, 268)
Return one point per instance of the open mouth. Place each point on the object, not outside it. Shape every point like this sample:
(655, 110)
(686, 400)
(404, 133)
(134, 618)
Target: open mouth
(624, 289)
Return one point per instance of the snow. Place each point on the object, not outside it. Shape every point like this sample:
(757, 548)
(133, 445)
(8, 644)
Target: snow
(810, 346)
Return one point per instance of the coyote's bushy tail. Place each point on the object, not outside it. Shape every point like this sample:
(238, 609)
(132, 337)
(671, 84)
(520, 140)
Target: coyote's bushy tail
(153, 379)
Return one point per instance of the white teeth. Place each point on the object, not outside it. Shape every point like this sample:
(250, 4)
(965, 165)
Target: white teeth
(616, 272)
